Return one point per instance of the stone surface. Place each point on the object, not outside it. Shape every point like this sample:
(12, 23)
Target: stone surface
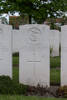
(5, 50)
(64, 55)
(54, 42)
(17, 40)
(34, 55)
(54, 36)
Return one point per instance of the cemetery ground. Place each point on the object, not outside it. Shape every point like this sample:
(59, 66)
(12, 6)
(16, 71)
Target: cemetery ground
(54, 76)
(32, 92)
(5, 97)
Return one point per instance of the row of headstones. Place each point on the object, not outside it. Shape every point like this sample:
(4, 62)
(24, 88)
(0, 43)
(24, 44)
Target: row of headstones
(54, 41)
(34, 54)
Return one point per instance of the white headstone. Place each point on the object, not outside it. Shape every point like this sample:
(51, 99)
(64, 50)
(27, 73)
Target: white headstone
(5, 50)
(64, 55)
(17, 38)
(54, 42)
(34, 55)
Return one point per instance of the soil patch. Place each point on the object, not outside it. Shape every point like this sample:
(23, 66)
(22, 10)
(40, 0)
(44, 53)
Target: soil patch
(44, 92)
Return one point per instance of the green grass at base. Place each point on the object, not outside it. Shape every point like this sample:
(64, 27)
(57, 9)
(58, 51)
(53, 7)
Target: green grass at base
(16, 74)
(55, 62)
(15, 60)
(55, 76)
(16, 97)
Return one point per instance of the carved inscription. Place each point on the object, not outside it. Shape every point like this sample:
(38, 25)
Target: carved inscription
(35, 35)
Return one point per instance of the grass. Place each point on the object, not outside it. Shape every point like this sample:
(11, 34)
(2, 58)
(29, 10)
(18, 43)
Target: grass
(16, 67)
(16, 74)
(55, 76)
(55, 70)
(16, 97)
(55, 62)
(15, 60)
